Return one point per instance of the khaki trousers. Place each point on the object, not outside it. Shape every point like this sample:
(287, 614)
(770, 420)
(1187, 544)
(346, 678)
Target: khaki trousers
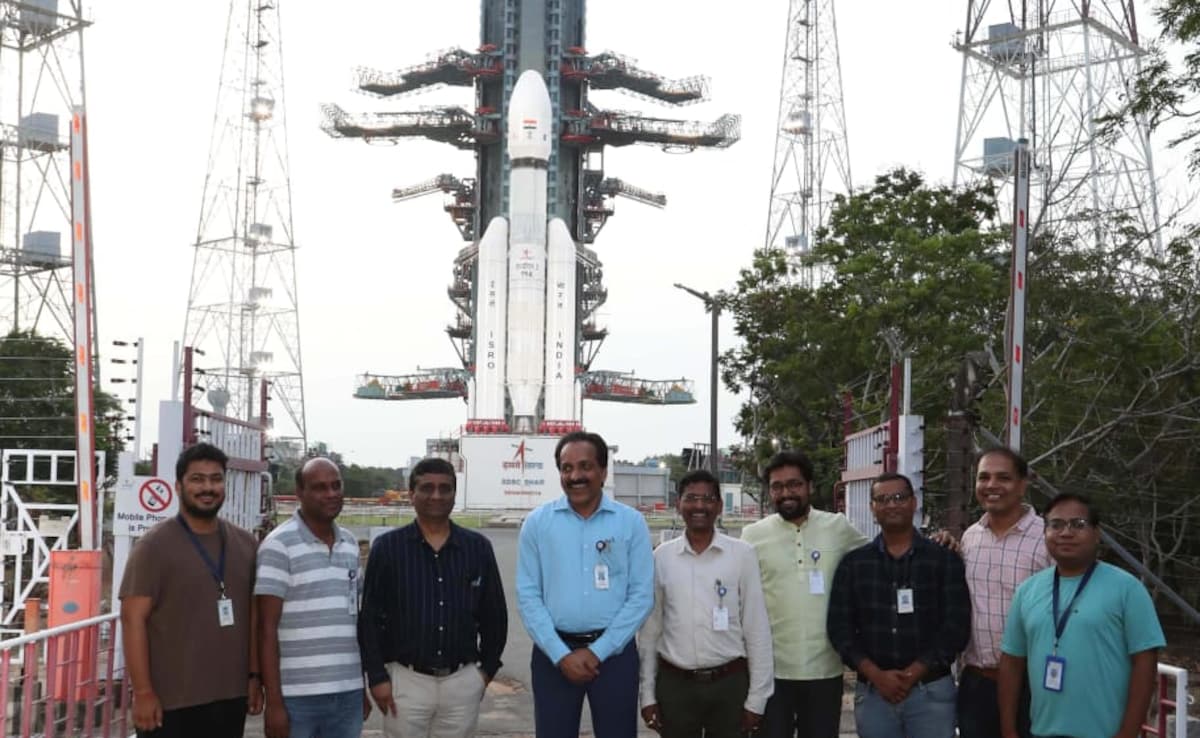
(434, 707)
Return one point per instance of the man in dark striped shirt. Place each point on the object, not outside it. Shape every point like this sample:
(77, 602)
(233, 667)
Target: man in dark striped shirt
(899, 615)
(434, 621)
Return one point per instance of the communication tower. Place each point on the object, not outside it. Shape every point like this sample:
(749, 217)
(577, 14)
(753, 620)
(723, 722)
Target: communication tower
(812, 157)
(243, 308)
(1046, 71)
(41, 80)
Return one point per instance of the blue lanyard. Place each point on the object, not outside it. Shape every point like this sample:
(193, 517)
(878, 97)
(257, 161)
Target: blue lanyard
(1060, 624)
(217, 570)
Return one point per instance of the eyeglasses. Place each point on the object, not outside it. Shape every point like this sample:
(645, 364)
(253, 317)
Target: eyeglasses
(1060, 524)
(693, 499)
(791, 485)
(895, 498)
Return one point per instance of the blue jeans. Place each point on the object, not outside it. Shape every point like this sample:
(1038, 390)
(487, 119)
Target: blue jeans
(338, 715)
(928, 712)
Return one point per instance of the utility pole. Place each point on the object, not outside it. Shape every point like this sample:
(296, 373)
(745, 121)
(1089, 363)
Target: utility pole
(960, 432)
(713, 305)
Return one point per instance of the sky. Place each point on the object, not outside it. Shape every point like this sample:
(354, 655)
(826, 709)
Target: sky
(372, 274)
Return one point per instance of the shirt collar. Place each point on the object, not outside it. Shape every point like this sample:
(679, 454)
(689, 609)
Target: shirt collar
(1022, 523)
(412, 533)
(686, 548)
(562, 504)
(308, 536)
(918, 542)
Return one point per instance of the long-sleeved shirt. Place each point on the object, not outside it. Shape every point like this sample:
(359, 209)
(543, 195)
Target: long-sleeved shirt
(864, 618)
(793, 559)
(687, 590)
(431, 609)
(556, 576)
(995, 567)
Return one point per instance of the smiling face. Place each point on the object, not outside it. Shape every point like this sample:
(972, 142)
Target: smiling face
(581, 475)
(790, 492)
(321, 495)
(998, 488)
(202, 489)
(433, 497)
(699, 505)
(894, 504)
(1072, 541)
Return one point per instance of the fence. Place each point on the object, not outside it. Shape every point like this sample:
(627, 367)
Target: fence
(61, 682)
(1168, 704)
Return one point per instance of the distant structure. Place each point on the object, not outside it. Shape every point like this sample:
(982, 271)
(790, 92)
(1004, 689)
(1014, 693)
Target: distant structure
(497, 276)
(812, 156)
(41, 79)
(243, 311)
(1046, 70)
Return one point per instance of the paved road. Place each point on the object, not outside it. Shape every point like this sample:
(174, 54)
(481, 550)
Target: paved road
(508, 705)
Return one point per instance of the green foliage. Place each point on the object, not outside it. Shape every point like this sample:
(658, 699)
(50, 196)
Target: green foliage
(357, 481)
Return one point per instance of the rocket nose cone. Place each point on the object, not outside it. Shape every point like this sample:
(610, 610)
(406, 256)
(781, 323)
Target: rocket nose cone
(529, 118)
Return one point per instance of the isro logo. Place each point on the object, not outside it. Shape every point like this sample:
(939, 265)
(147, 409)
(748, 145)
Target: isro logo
(519, 460)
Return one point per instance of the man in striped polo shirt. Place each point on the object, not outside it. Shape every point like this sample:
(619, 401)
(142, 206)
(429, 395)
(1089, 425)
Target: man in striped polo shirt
(307, 596)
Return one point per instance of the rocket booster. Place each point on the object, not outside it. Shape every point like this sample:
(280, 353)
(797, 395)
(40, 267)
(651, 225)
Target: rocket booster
(525, 329)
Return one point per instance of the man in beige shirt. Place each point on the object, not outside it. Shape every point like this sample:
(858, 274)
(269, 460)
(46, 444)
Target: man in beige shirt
(799, 549)
(706, 662)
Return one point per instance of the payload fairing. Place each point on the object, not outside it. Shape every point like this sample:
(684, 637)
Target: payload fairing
(526, 307)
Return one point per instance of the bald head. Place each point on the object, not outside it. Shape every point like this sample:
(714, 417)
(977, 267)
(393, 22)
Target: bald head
(319, 490)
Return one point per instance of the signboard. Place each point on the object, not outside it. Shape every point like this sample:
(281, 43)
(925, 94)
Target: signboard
(141, 503)
(511, 472)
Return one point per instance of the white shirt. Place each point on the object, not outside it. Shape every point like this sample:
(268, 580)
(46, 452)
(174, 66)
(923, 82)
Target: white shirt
(681, 625)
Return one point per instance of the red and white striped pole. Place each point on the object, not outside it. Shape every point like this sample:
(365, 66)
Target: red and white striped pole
(1017, 300)
(81, 246)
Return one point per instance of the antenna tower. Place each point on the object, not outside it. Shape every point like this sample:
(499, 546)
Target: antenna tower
(243, 308)
(1045, 71)
(812, 157)
(41, 80)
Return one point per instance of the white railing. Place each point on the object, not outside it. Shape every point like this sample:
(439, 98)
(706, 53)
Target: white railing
(1167, 704)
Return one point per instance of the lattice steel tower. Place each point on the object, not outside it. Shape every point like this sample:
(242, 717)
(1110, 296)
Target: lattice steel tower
(243, 307)
(41, 79)
(1046, 70)
(812, 158)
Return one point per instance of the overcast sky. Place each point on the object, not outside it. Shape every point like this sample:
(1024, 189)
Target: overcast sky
(373, 274)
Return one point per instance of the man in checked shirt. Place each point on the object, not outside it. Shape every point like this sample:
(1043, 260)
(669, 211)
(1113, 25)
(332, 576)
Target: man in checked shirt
(1000, 551)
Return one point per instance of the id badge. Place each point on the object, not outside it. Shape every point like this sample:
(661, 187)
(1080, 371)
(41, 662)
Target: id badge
(904, 601)
(601, 576)
(225, 612)
(816, 582)
(1056, 668)
(720, 618)
(352, 598)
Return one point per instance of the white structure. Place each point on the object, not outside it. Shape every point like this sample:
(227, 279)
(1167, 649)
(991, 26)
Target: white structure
(1048, 76)
(812, 159)
(243, 310)
(512, 472)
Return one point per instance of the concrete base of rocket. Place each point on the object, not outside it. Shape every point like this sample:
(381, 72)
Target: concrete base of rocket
(510, 472)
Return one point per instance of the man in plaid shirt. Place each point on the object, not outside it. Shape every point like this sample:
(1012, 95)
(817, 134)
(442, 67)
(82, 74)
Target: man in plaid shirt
(899, 615)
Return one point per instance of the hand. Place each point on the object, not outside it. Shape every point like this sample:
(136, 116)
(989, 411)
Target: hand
(147, 711)
(382, 693)
(912, 674)
(486, 679)
(750, 721)
(254, 697)
(946, 539)
(366, 705)
(580, 666)
(275, 720)
(653, 717)
(890, 685)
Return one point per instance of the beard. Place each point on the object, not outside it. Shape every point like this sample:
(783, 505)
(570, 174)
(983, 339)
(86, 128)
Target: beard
(199, 512)
(791, 508)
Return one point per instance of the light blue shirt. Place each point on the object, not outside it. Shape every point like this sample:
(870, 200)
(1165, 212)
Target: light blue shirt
(1112, 620)
(556, 575)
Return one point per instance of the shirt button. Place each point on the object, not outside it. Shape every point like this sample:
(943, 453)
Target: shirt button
(439, 579)
(441, 603)
(439, 653)
(442, 627)
(893, 630)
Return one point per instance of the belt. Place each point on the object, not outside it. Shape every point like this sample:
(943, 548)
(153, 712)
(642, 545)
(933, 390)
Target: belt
(705, 675)
(579, 640)
(987, 672)
(435, 671)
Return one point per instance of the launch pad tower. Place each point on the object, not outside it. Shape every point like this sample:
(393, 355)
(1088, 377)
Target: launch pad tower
(546, 36)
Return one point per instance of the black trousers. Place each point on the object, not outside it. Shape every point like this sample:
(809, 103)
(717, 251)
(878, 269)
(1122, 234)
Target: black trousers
(692, 709)
(979, 707)
(221, 719)
(804, 709)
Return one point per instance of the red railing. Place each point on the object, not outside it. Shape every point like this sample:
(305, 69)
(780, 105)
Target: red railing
(61, 682)
(1168, 704)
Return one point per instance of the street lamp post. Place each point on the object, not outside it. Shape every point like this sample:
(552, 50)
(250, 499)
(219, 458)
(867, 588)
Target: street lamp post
(713, 305)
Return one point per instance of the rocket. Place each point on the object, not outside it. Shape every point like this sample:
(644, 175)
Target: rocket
(525, 289)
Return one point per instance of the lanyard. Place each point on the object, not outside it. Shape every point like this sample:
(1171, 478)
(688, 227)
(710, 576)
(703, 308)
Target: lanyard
(217, 570)
(1060, 624)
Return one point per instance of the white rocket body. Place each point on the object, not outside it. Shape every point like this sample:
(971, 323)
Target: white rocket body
(525, 302)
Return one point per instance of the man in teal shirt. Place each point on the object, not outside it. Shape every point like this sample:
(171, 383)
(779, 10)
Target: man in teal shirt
(585, 584)
(1084, 632)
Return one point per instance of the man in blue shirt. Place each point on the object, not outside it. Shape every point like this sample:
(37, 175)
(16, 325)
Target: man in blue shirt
(1084, 632)
(585, 584)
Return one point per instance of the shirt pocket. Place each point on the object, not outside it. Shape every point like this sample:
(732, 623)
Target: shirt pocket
(615, 556)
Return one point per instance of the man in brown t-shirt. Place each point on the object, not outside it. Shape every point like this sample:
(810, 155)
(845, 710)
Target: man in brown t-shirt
(187, 613)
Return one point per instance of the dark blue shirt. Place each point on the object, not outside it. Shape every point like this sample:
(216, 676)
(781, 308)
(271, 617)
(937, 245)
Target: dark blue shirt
(431, 609)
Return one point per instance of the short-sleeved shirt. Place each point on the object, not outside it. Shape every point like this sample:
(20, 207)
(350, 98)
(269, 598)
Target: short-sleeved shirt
(1112, 620)
(995, 567)
(193, 660)
(788, 556)
(318, 641)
